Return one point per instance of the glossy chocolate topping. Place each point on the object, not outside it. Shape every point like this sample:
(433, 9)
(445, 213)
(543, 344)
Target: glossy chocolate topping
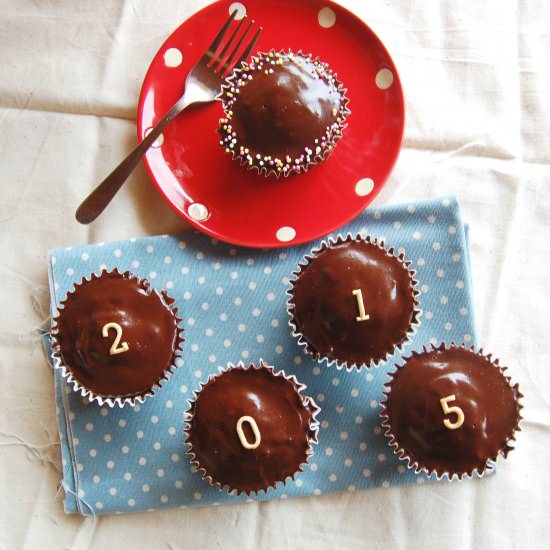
(416, 416)
(284, 111)
(284, 423)
(326, 309)
(280, 113)
(149, 327)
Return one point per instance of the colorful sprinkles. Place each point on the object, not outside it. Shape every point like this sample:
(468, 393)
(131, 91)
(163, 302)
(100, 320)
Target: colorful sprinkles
(312, 153)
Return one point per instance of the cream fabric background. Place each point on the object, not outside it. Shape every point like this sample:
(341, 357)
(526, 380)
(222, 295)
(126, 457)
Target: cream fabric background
(476, 78)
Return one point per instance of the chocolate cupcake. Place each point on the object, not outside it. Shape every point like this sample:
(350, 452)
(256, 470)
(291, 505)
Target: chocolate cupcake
(115, 338)
(284, 112)
(450, 411)
(249, 428)
(353, 303)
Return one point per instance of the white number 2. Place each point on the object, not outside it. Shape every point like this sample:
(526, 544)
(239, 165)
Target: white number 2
(115, 349)
(452, 410)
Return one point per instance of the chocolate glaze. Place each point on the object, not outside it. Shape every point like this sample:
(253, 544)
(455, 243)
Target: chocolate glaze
(280, 113)
(148, 324)
(415, 415)
(285, 421)
(284, 112)
(325, 308)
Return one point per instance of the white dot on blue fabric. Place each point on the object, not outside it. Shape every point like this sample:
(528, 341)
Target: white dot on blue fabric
(233, 305)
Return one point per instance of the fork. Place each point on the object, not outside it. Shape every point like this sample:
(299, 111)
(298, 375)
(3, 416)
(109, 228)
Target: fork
(202, 85)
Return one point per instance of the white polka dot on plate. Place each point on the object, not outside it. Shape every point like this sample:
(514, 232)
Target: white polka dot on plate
(326, 18)
(364, 186)
(198, 212)
(285, 234)
(173, 57)
(241, 10)
(158, 142)
(384, 79)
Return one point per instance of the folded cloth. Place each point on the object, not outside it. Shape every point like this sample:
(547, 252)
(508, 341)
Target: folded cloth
(233, 303)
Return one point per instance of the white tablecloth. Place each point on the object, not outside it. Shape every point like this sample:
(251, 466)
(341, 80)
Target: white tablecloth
(475, 76)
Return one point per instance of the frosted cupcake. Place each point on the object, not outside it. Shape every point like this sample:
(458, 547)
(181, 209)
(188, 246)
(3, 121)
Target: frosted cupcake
(284, 113)
(250, 428)
(115, 338)
(451, 411)
(353, 303)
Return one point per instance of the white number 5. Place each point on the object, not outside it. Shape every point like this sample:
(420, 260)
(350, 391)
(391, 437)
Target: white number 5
(450, 410)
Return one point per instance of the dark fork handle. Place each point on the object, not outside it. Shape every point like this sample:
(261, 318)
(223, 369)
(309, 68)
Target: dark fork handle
(92, 206)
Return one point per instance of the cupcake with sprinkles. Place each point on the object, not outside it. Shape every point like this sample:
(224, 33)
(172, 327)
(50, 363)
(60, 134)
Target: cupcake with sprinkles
(284, 113)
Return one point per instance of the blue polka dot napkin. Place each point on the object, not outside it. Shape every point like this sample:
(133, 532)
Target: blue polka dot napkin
(233, 303)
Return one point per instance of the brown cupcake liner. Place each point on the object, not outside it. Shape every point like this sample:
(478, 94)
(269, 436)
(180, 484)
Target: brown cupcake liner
(411, 462)
(230, 86)
(113, 400)
(307, 402)
(308, 258)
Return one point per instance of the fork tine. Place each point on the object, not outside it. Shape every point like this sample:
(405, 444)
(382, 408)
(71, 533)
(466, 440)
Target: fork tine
(227, 46)
(230, 59)
(246, 52)
(219, 37)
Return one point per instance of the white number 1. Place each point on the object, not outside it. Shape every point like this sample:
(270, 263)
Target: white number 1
(362, 315)
(450, 410)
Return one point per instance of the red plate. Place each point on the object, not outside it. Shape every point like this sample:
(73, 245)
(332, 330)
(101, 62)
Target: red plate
(244, 208)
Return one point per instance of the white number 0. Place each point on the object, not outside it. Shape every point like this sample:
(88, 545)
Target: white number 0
(115, 349)
(450, 410)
